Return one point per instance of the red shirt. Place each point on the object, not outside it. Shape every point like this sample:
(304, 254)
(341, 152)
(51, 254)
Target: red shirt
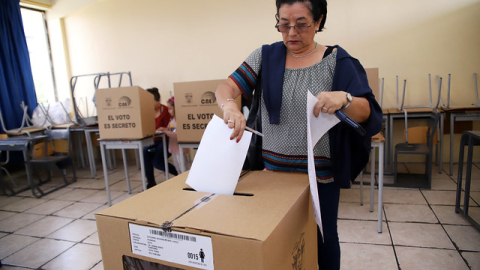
(163, 119)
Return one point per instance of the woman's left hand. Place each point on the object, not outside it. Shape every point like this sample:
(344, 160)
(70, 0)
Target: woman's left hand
(329, 102)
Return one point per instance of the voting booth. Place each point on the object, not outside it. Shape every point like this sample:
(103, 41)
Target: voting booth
(195, 105)
(125, 113)
(266, 224)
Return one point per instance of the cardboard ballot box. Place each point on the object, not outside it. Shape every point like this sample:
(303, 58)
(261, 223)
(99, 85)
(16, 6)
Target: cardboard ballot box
(195, 105)
(125, 113)
(267, 224)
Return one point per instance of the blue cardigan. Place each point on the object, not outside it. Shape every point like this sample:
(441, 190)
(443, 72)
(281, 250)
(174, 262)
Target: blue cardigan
(349, 151)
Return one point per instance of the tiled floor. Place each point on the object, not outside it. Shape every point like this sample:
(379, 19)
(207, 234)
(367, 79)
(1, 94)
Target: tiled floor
(420, 230)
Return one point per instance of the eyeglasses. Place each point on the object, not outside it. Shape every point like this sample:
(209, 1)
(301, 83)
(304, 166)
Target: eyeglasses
(300, 27)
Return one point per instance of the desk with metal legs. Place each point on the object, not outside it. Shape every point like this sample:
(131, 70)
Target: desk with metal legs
(470, 139)
(412, 113)
(76, 133)
(182, 146)
(165, 151)
(460, 114)
(137, 144)
(378, 141)
(80, 132)
(91, 158)
(24, 144)
(386, 132)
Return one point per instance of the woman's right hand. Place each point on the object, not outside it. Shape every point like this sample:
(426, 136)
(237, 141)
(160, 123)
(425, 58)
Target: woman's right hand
(226, 92)
(234, 119)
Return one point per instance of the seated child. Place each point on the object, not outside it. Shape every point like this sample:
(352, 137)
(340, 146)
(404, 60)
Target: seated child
(173, 148)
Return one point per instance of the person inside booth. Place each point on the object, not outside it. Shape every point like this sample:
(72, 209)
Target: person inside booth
(153, 155)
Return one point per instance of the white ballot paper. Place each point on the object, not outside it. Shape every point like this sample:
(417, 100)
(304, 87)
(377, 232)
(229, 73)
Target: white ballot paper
(219, 160)
(316, 128)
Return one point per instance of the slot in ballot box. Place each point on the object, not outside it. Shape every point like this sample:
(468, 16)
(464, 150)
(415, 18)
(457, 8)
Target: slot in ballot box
(267, 224)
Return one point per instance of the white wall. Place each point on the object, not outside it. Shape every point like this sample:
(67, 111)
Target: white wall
(162, 42)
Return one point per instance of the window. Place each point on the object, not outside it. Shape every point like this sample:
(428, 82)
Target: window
(36, 34)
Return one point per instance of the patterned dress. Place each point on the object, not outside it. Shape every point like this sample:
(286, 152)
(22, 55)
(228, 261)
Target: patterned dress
(285, 144)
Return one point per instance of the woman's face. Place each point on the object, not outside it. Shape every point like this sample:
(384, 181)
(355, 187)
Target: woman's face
(156, 103)
(171, 110)
(297, 13)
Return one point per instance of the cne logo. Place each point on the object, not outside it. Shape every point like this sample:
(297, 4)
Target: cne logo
(188, 97)
(124, 101)
(108, 101)
(208, 98)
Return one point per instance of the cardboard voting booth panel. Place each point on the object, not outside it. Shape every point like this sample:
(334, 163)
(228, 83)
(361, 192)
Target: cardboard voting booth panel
(267, 224)
(372, 77)
(195, 105)
(125, 113)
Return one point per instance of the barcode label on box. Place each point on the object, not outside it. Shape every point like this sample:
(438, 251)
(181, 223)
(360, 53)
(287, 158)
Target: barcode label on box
(176, 236)
(176, 247)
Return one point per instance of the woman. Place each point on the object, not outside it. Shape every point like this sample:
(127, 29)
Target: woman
(288, 70)
(153, 155)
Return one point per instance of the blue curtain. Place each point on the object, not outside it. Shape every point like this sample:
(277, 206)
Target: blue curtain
(16, 80)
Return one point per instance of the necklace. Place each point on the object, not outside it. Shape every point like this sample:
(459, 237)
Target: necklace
(300, 56)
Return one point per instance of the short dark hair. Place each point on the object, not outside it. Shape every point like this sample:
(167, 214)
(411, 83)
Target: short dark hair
(155, 93)
(316, 7)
